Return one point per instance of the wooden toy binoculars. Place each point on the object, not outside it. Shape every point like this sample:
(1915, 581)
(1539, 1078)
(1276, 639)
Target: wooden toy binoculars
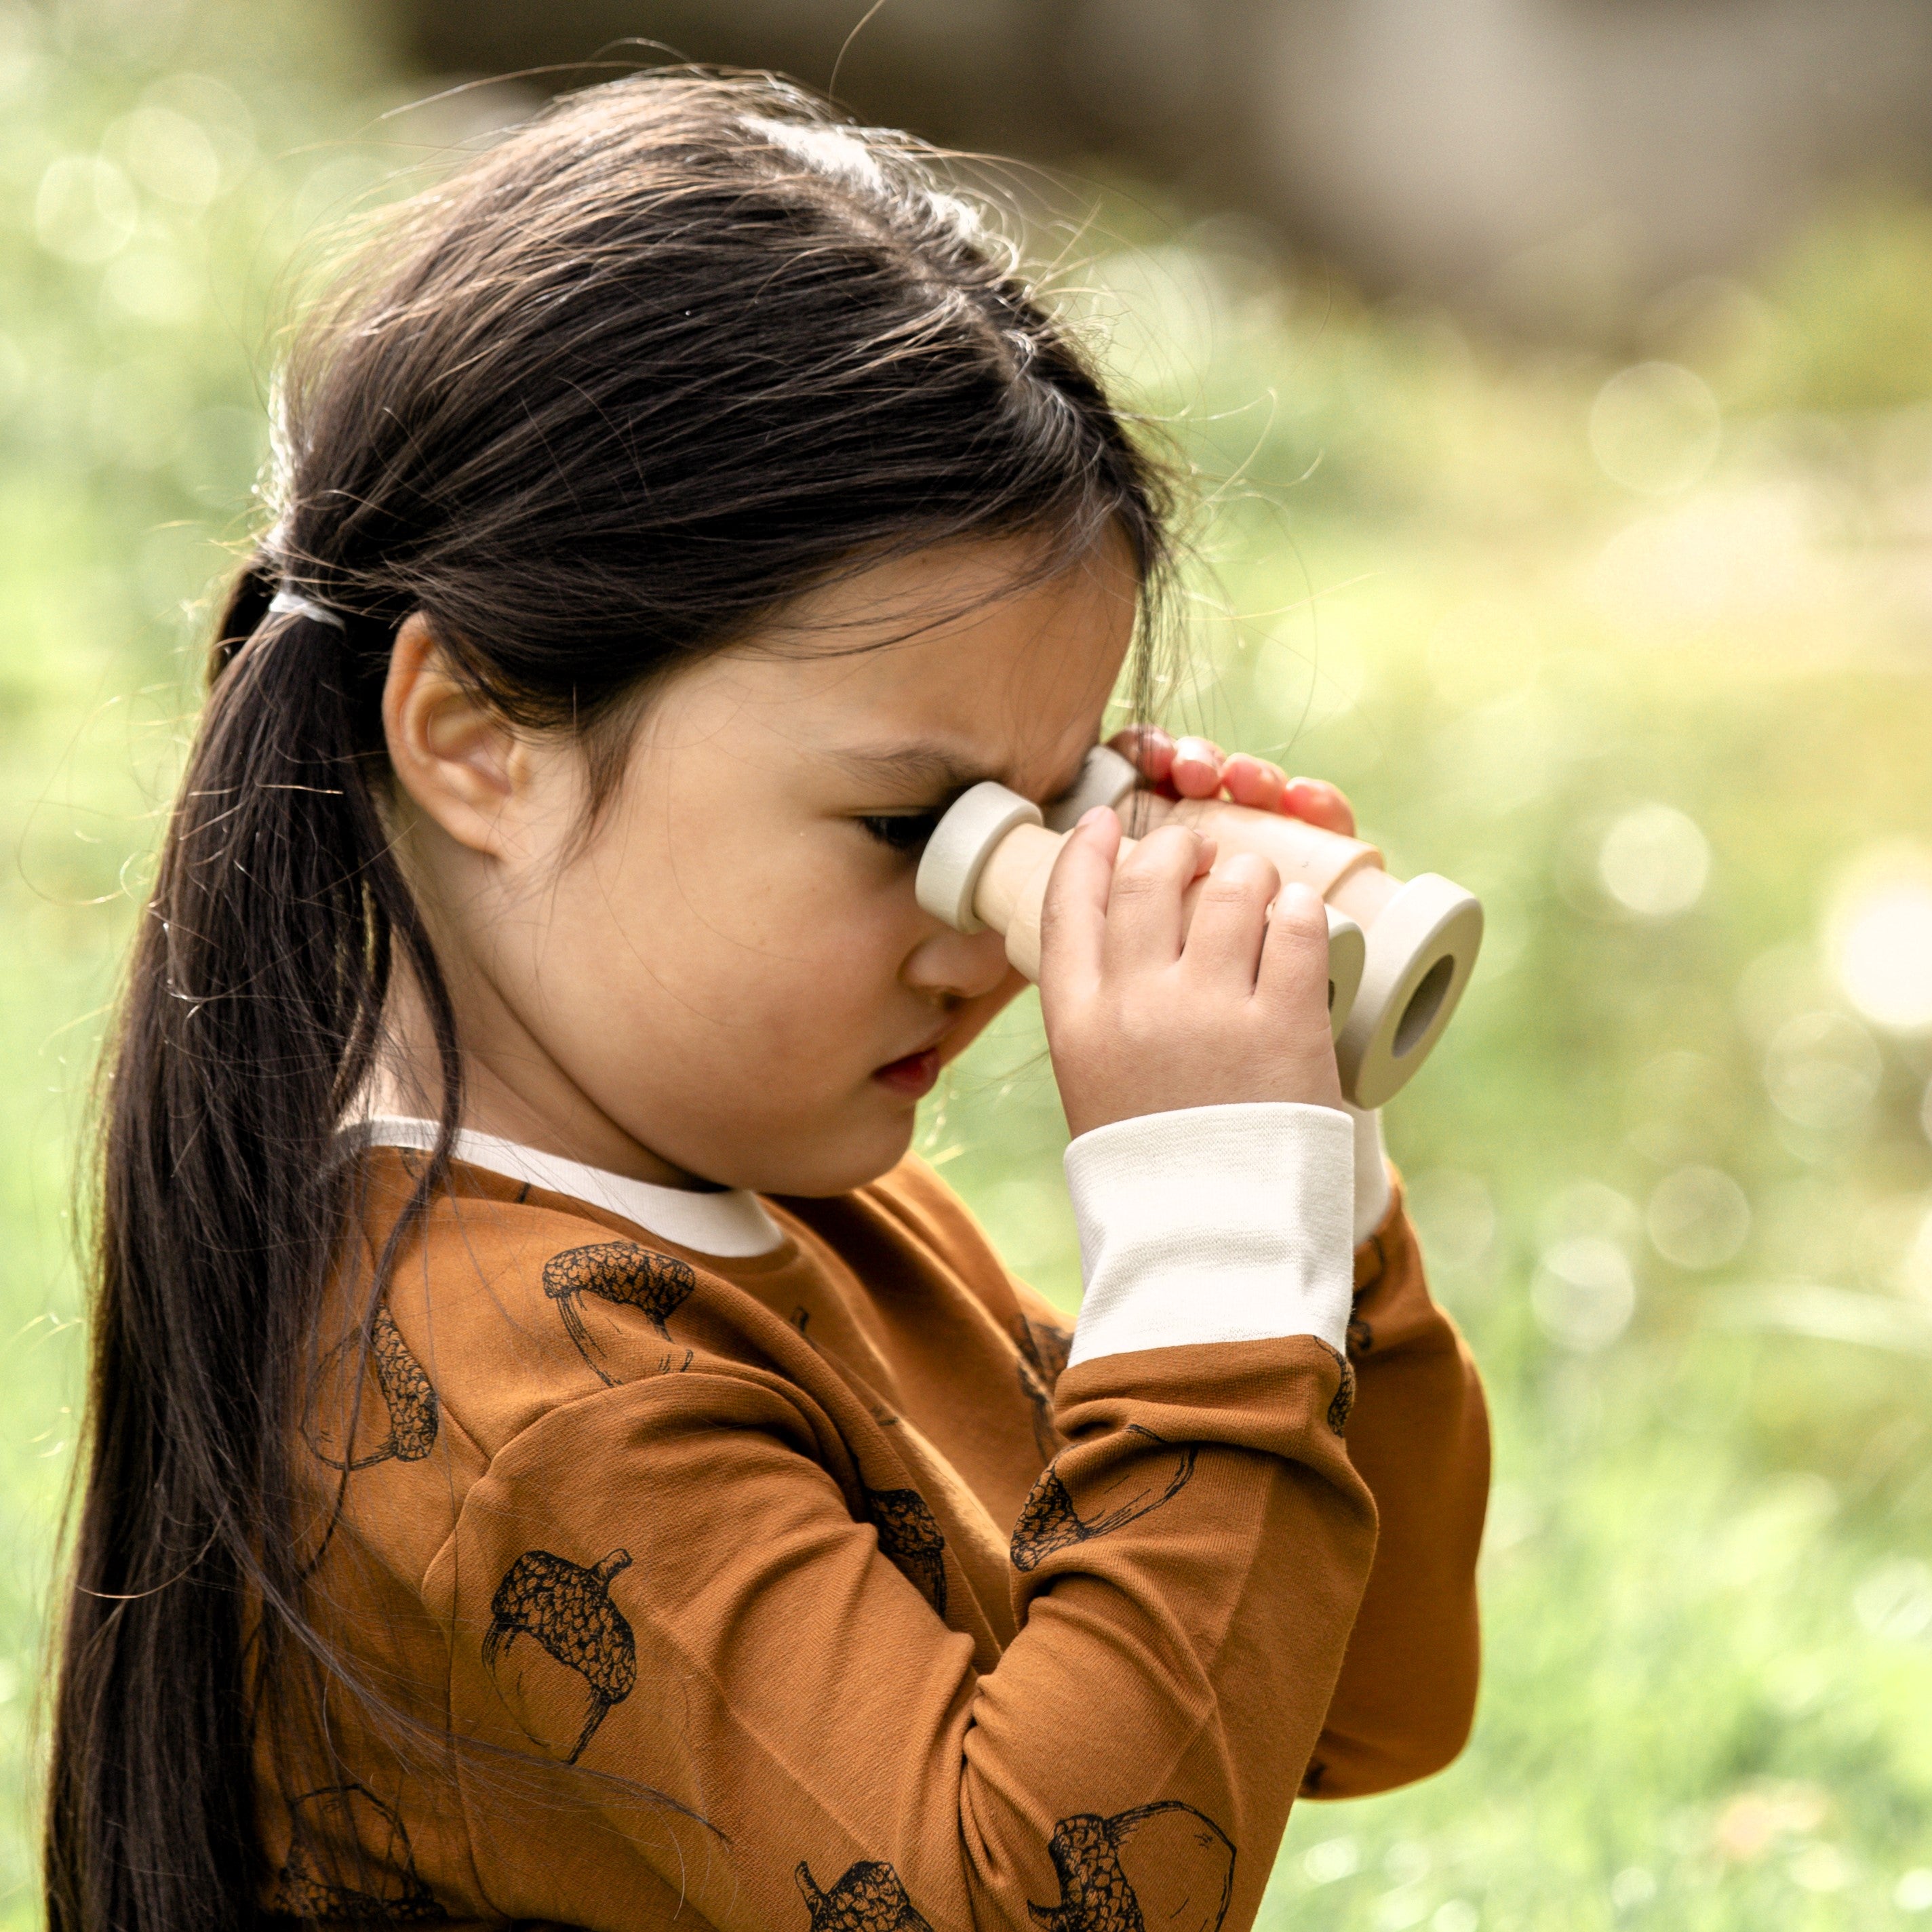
(1400, 955)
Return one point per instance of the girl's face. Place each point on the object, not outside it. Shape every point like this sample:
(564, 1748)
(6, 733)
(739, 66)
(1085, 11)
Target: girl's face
(728, 979)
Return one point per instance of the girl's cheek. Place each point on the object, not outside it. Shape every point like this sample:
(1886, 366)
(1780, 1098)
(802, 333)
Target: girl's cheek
(796, 961)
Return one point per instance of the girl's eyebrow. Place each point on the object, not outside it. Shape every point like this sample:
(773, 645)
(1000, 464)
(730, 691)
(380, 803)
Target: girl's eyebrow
(928, 766)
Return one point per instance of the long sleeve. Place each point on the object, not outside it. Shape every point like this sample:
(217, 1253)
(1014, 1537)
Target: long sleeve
(1418, 1434)
(814, 1587)
(673, 1582)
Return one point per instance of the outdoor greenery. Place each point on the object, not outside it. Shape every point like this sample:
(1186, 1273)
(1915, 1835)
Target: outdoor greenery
(1636, 645)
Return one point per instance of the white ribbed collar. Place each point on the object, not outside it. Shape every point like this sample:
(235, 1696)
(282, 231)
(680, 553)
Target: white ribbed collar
(729, 1222)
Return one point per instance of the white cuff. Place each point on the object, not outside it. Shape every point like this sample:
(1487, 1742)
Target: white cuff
(1214, 1224)
(1372, 1191)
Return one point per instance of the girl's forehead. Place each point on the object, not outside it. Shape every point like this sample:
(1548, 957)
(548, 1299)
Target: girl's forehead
(979, 657)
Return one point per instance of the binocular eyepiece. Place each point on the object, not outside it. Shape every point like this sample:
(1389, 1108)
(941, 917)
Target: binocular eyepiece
(1399, 954)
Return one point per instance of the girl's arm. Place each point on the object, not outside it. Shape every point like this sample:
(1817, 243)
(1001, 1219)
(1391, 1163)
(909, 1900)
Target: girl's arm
(1419, 1436)
(673, 1582)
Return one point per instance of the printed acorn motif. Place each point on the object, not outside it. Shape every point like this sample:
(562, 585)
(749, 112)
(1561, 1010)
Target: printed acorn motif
(619, 1271)
(407, 1394)
(348, 1814)
(566, 1610)
(1045, 1435)
(1162, 1867)
(1342, 1404)
(868, 1898)
(1047, 1346)
(1049, 1520)
(909, 1533)
(1043, 1351)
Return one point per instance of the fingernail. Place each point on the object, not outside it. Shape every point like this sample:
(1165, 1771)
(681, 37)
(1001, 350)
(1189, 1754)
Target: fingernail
(1093, 815)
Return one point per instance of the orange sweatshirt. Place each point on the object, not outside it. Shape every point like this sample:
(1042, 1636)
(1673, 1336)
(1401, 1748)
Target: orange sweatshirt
(772, 1569)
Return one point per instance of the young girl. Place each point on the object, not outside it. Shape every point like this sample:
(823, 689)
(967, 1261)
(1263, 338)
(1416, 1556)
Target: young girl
(554, 1457)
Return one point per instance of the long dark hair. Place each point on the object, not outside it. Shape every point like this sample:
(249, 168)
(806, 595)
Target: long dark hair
(680, 349)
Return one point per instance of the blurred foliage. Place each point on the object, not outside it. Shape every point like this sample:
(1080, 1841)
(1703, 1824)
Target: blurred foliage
(1639, 652)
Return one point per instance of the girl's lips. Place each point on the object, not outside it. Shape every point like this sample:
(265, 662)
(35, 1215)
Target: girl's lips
(914, 1074)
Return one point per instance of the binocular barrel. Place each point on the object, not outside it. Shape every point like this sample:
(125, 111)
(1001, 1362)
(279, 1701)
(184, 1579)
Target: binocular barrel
(1399, 954)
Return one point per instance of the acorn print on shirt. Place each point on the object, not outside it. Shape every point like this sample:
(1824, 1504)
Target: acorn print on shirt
(1158, 1868)
(1048, 1521)
(1047, 1346)
(1343, 1406)
(1043, 1351)
(909, 1533)
(868, 1898)
(619, 1271)
(346, 1814)
(407, 1395)
(559, 1650)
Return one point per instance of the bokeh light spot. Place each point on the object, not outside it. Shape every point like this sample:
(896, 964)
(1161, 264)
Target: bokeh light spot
(85, 210)
(1331, 1859)
(1454, 1215)
(1822, 1868)
(1822, 1069)
(1882, 952)
(1698, 1218)
(1583, 1295)
(1654, 861)
(1895, 1600)
(1589, 1208)
(1654, 428)
(1634, 1885)
(169, 154)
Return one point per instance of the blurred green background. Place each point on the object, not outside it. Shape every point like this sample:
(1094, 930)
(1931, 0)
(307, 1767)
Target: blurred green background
(1632, 637)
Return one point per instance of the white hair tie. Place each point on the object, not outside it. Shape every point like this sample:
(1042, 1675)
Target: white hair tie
(293, 604)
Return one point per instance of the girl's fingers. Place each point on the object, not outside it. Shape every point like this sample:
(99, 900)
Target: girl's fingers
(1320, 804)
(1230, 921)
(1073, 915)
(1196, 770)
(1143, 915)
(1294, 955)
(1254, 782)
(1148, 749)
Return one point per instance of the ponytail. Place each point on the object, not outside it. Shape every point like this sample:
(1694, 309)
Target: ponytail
(249, 1027)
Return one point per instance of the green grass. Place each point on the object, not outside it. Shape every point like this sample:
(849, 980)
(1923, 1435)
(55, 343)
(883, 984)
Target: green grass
(1709, 1580)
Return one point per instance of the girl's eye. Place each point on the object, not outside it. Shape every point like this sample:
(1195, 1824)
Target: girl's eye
(905, 832)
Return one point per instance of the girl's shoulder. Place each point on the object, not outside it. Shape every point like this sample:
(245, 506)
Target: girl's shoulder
(500, 1301)
(503, 1305)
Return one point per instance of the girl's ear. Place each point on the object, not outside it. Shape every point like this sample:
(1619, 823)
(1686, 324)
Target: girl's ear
(456, 757)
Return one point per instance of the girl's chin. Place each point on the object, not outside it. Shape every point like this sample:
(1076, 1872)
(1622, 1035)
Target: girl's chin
(853, 1154)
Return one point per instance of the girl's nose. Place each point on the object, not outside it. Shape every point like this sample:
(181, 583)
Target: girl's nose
(964, 964)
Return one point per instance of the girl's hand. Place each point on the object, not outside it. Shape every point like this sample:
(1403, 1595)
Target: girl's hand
(1198, 768)
(1148, 1011)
